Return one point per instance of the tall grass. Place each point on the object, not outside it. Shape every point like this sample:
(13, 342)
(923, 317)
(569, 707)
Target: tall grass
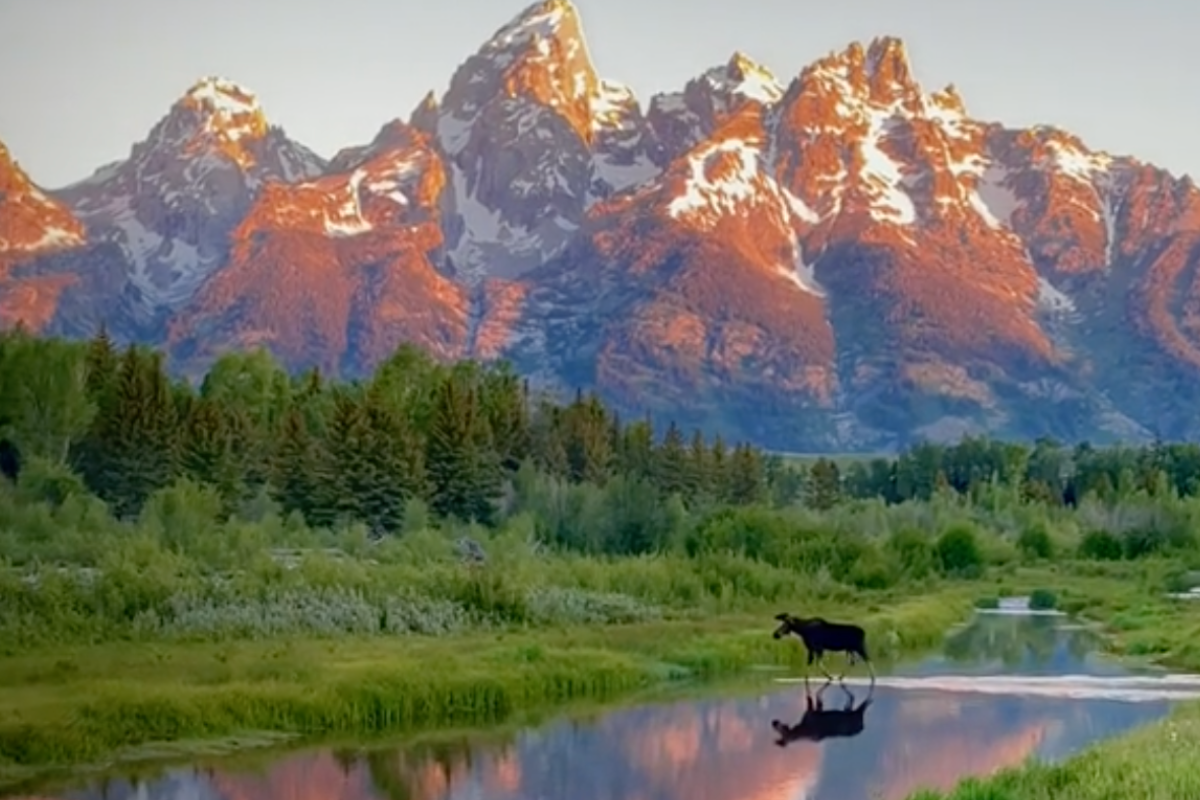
(58, 712)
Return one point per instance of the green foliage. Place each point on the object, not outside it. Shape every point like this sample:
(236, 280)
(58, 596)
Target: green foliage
(1101, 545)
(912, 551)
(1043, 600)
(1035, 542)
(958, 551)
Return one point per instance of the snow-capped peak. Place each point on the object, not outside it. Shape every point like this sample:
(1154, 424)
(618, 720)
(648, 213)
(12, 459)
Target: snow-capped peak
(226, 108)
(541, 57)
(540, 19)
(746, 77)
(223, 96)
(613, 105)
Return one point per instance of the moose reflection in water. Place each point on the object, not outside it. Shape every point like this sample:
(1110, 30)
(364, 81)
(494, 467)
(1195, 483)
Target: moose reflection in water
(818, 723)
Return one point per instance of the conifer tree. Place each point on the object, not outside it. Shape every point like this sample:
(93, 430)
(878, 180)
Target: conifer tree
(637, 450)
(214, 449)
(296, 472)
(671, 469)
(747, 484)
(699, 467)
(506, 404)
(549, 433)
(464, 474)
(397, 461)
(589, 454)
(347, 475)
(718, 466)
(824, 489)
(135, 439)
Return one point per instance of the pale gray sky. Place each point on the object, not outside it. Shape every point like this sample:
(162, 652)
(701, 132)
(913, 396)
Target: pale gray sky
(82, 80)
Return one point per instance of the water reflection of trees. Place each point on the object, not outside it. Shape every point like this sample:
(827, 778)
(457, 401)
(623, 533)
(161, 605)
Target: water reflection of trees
(1036, 641)
(407, 773)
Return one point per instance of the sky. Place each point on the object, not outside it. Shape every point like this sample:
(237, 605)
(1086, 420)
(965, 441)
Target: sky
(82, 80)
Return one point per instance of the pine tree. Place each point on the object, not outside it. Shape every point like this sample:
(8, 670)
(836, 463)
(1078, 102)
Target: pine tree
(296, 473)
(348, 472)
(699, 467)
(671, 470)
(214, 449)
(824, 489)
(588, 449)
(549, 446)
(719, 470)
(397, 461)
(101, 363)
(506, 404)
(463, 471)
(134, 440)
(747, 483)
(637, 450)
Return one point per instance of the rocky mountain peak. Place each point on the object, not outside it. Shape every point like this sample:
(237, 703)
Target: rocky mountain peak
(172, 203)
(224, 111)
(539, 56)
(31, 222)
(745, 77)
(878, 73)
(424, 115)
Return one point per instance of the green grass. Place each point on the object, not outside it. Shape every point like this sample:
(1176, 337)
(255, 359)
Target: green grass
(70, 706)
(1157, 762)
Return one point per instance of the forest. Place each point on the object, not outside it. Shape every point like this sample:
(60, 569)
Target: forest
(256, 499)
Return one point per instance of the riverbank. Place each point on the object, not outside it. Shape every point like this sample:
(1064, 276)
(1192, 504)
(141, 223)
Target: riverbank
(97, 704)
(1157, 762)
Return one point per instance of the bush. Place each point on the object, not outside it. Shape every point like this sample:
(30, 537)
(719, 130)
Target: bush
(987, 602)
(1100, 545)
(1035, 542)
(958, 551)
(913, 552)
(1042, 600)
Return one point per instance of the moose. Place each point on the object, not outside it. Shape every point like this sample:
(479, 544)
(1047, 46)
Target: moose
(820, 635)
(818, 724)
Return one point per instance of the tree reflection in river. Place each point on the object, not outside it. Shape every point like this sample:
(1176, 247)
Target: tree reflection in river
(1026, 643)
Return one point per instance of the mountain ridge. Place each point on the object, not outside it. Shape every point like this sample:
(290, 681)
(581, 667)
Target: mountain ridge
(839, 261)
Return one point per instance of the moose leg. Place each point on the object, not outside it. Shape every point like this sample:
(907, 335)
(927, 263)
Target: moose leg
(821, 664)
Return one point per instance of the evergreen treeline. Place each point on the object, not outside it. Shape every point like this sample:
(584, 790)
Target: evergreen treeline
(459, 437)
(1047, 472)
(452, 436)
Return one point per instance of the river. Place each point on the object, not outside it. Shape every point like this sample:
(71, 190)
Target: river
(1003, 689)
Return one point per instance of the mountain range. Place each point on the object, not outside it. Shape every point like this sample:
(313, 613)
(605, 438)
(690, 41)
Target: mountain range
(841, 261)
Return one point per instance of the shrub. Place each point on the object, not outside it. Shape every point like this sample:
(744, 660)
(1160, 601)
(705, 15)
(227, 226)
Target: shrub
(913, 552)
(958, 551)
(1035, 542)
(1100, 545)
(1042, 600)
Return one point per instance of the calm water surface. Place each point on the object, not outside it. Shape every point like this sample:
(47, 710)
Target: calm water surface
(884, 743)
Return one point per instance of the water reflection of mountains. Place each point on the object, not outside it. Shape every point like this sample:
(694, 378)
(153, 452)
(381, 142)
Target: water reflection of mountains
(713, 749)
